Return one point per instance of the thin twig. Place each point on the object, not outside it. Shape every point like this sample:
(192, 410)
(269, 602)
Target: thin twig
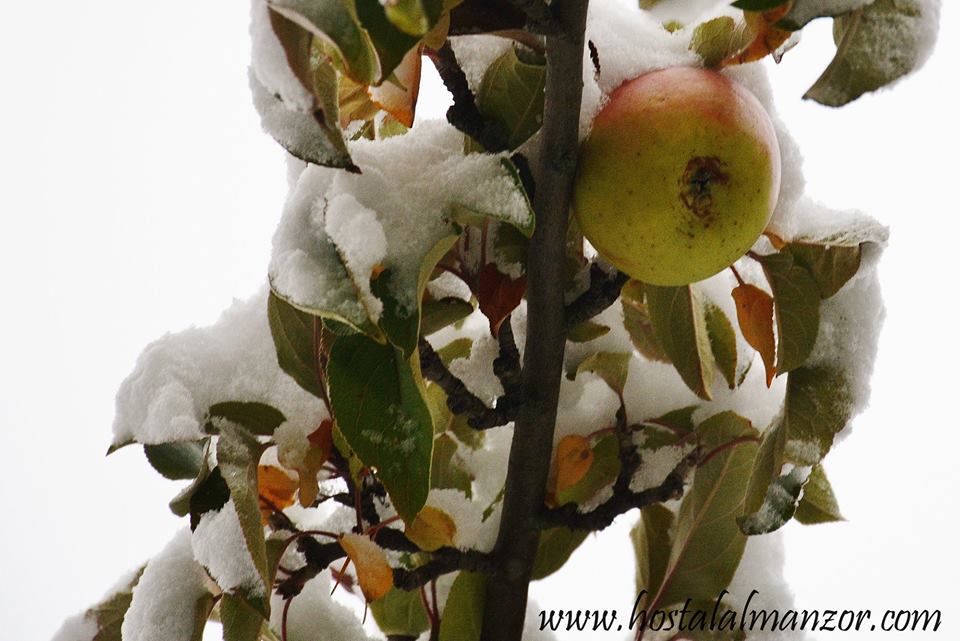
(603, 292)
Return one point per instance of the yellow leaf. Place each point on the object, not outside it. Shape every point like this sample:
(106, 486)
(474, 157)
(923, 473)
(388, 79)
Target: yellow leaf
(398, 94)
(432, 529)
(755, 316)
(766, 37)
(572, 462)
(276, 489)
(373, 571)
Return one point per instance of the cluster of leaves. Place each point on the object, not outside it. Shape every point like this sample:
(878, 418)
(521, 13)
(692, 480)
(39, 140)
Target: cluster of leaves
(397, 428)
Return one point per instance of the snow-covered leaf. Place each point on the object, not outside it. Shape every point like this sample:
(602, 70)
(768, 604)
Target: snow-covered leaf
(636, 320)
(373, 570)
(817, 407)
(796, 298)
(611, 367)
(880, 43)
(511, 95)
(257, 418)
(177, 461)
(400, 613)
(336, 23)
(238, 454)
(755, 317)
(803, 11)
(463, 613)
(301, 134)
(778, 505)
(723, 342)
(432, 529)
(679, 324)
(333, 255)
(240, 621)
(818, 504)
(379, 407)
(707, 543)
(767, 464)
(104, 619)
(555, 547)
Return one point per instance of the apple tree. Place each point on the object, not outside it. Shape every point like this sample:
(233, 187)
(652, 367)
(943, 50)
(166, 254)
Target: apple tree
(446, 385)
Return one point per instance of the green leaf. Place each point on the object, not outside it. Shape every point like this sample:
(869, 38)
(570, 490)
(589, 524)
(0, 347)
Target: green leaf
(717, 39)
(603, 472)
(818, 505)
(447, 468)
(778, 506)
(299, 133)
(380, 409)
(463, 613)
(651, 545)
(880, 43)
(555, 547)
(708, 544)
(830, 265)
(240, 621)
(802, 12)
(636, 320)
(414, 17)
(257, 418)
(796, 299)
(723, 342)
(400, 613)
(238, 454)
(612, 367)
(511, 94)
(177, 461)
(817, 407)
(437, 314)
(336, 22)
(758, 5)
(390, 43)
(586, 332)
(294, 334)
(457, 348)
(679, 324)
(767, 465)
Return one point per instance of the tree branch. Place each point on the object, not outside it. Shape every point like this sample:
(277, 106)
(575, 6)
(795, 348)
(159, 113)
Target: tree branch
(460, 400)
(603, 292)
(442, 561)
(540, 16)
(528, 466)
(464, 114)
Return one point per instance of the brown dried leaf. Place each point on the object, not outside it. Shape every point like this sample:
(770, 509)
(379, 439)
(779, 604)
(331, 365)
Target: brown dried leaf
(497, 294)
(755, 316)
(766, 39)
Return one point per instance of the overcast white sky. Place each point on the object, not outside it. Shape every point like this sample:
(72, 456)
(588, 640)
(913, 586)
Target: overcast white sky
(138, 196)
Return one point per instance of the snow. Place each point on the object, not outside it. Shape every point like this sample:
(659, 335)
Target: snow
(476, 372)
(178, 377)
(415, 184)
(165, 600)
(79, 627)
(475, 53)
(314, 615)
(446, 285)
(219, 546)
(362, 245)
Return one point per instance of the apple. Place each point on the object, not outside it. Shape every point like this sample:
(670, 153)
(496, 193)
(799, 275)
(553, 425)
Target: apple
(678, 177)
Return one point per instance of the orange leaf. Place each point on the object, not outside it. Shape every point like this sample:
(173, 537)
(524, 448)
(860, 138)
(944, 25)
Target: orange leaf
(767, 38)
(432, 529)
(373, 571)
(572, 462)
(276, 489)
(398, 94)
(755, 316)
(498, 294)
